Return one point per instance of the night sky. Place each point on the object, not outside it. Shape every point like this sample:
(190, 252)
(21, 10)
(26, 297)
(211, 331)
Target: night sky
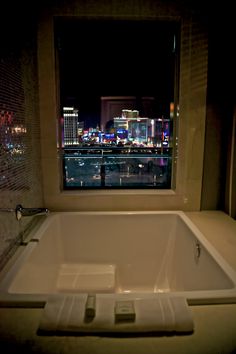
(114, 58)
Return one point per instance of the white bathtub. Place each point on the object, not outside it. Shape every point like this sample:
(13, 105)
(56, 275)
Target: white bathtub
(134, 253)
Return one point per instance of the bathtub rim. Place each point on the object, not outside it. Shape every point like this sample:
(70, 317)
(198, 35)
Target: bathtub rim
(199, 298)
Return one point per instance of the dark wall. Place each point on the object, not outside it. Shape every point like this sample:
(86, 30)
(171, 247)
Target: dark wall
(220, 105)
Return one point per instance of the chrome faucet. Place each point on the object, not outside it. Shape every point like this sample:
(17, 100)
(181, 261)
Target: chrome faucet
(20, 211)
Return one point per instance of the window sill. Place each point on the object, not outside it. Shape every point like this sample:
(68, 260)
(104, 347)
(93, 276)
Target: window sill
(97, 192)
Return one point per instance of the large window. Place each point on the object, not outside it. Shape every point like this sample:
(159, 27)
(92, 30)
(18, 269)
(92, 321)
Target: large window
(118, 102)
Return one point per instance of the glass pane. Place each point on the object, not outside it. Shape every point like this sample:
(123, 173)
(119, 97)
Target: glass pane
(126, 167)
(118, 98)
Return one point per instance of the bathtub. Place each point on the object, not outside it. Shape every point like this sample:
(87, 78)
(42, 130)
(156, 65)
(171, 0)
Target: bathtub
(130, 253)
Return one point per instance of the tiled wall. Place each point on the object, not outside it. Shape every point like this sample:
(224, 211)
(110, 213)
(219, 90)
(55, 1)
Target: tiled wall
(20, 169)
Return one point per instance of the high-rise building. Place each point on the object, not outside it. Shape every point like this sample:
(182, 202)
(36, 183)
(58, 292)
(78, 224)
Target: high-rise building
(70, 118)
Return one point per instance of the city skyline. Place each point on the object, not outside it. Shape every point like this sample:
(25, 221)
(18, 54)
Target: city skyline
(128, 128)
(138, 60)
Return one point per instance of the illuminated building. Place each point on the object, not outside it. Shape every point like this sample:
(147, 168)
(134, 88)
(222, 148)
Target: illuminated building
(142, 130)
(70, 118)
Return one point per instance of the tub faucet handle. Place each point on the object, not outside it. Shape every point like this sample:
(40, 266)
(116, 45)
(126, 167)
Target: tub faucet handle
(20, 211)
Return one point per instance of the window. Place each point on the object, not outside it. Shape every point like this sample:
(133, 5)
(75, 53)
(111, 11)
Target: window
(118, 99)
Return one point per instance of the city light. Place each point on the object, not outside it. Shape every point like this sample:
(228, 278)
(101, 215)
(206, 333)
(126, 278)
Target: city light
(133, 151)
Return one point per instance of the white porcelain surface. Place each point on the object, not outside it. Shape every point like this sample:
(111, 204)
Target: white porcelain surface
(121, 252)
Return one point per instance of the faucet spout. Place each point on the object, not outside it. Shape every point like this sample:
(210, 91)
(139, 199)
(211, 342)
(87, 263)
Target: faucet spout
(20, 211)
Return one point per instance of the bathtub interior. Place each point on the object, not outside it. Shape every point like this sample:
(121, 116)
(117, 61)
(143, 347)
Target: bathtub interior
(120, 253)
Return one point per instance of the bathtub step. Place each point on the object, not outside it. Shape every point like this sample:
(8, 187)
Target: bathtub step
(86, 277)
